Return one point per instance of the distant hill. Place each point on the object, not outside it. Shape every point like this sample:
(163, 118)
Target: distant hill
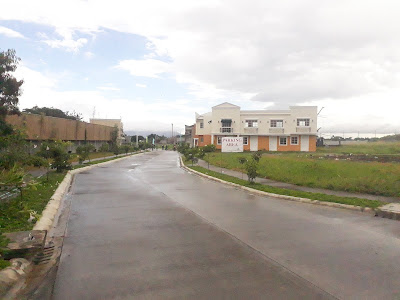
(391, 138)
(148, 132)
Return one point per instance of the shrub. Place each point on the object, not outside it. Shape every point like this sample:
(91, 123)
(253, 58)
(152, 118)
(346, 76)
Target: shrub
(251, 169)
(57, 151)
(84, 152)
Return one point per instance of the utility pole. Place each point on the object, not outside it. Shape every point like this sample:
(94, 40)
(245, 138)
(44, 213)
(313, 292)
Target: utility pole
(137, 141)
(172, 133)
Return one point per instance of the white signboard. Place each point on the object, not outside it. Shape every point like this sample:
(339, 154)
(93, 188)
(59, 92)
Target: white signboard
(232, 144)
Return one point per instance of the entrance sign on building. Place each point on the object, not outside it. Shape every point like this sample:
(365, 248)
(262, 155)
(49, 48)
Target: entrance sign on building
(232, 144)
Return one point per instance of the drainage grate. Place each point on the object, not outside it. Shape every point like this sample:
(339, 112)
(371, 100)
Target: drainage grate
(44, 256)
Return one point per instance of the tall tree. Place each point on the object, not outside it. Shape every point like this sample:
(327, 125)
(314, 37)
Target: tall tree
(53, 112)
(9, 85)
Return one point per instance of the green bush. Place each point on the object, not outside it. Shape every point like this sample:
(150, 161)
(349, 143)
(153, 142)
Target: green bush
(37, 161)
(251, 169)
(84, 152)
(57, 151)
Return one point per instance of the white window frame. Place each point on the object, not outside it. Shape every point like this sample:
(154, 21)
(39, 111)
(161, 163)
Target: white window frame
(305, 120)
(201, 124)
(283, 137)
(247, 140)
(297, 137)
(219, 140)
(253, 122)
(276, 123)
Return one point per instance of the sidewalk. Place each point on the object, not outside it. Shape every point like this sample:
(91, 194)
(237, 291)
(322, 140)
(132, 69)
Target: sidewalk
(290, 186)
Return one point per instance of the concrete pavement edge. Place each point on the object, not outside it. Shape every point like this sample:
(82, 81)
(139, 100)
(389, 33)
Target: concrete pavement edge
(17, 272)
(291, 198)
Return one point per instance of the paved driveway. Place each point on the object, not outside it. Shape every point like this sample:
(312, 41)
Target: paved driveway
(144, 228)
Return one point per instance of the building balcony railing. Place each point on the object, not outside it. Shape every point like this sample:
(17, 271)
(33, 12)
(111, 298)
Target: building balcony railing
(251, 130)
(276, 130)
(303, 129)
(226, 130)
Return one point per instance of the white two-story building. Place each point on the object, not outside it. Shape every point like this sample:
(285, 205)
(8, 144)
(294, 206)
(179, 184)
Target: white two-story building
(271, 130)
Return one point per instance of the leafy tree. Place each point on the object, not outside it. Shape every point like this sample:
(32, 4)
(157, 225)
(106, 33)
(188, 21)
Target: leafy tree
(242, 160)
(9, 89)
(53, 112)
(104, 147)
(251, 168)
(114, 137)
(126, 148)
(9, 85)
(84, 152)
(13, 149)
(57, 151)
(256, 156)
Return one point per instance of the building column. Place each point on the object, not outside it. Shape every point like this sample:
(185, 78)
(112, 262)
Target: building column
(212, 139)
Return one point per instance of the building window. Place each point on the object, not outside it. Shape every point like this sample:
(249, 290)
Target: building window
(226, 122)
(219, 140)
(282, 141)
(277, 123)
(294, 140)
(201, 140)
(201, 124)
(245, 140)
(251, 123)
(303, 122)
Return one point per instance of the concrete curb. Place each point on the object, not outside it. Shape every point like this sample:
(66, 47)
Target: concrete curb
(389, 211)
(20, 266)
(291, 198)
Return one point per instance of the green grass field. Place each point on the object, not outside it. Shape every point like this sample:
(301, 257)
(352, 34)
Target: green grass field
(353, 176)
(281, 191)
(92, 155)
(365, 148)
(14, 214)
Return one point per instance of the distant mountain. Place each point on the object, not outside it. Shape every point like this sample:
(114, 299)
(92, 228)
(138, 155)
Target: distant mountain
(391, 138)
(146, 133)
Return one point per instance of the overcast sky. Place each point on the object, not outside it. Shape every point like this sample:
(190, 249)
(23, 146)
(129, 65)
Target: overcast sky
(154, 63)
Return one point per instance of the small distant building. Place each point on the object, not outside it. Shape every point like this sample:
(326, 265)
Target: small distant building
(189, 134)
(294, 129)
(112, 123)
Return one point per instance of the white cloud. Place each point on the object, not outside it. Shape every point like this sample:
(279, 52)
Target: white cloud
(108, 88)
(89, 54)
(145, 68)
(347, 51)
(10, 33)
(141, 85)
(67, 42)
(42, 90)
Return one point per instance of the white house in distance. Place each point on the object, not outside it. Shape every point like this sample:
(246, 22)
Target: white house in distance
(271, 130)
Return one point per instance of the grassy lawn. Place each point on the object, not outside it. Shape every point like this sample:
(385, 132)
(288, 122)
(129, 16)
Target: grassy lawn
(353, 176)
(96, 162)
(92, 155)
(280, 191)
(14, 214)
(388, 148)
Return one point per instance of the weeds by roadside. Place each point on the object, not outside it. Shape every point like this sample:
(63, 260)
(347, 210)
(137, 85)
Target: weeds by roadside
(281, 191)
(359, 177)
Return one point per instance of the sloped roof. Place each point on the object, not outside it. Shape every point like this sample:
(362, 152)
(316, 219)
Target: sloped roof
(226, 104)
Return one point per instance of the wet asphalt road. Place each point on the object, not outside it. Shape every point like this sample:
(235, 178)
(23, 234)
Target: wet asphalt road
(143, 228)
